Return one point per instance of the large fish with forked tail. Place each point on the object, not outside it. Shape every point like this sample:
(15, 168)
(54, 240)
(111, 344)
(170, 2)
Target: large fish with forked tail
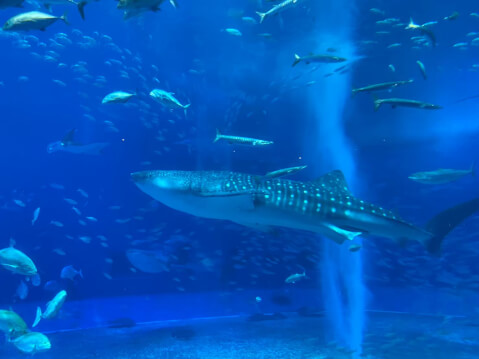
(324, 206)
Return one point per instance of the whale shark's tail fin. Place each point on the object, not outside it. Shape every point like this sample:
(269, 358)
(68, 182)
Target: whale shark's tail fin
(446, 221)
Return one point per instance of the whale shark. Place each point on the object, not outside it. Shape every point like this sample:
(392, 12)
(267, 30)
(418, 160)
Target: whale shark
(68, 144)
(325, 206)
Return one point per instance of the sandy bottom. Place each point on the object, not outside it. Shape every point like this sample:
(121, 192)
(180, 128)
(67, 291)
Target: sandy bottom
(387, 336)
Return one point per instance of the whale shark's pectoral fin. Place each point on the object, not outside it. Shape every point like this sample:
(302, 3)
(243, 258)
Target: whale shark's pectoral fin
(69, 137)
(339, 235)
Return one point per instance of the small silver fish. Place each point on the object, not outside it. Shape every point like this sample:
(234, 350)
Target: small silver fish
(286, 4)
(118, 97)
(422, 68)
(381, 86)
(19, 203)
(57, 223)
(69, 272)
(284, 172)
(82, 192)
(396, 102)
(234, 32)
(70, 201)
(241, 140)
(36, 213)
(167, 99)
(324, 59)
(293, 278)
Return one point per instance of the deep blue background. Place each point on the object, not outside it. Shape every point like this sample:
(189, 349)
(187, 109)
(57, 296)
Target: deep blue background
(246, 86)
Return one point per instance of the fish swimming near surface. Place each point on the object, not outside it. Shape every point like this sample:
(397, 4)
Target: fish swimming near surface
(324, 206)
(32, 20)
(402, 102)
(324, 59)
(276, 9)
(381, 86)
(68, 144)
(442, 175)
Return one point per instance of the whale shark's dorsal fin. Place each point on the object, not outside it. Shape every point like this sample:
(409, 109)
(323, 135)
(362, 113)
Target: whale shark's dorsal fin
(69, 136)
(334, 181)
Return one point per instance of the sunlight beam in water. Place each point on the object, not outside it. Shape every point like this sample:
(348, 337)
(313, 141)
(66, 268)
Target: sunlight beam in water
(341, 270)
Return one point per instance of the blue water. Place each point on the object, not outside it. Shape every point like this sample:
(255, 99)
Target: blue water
(53, 81)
